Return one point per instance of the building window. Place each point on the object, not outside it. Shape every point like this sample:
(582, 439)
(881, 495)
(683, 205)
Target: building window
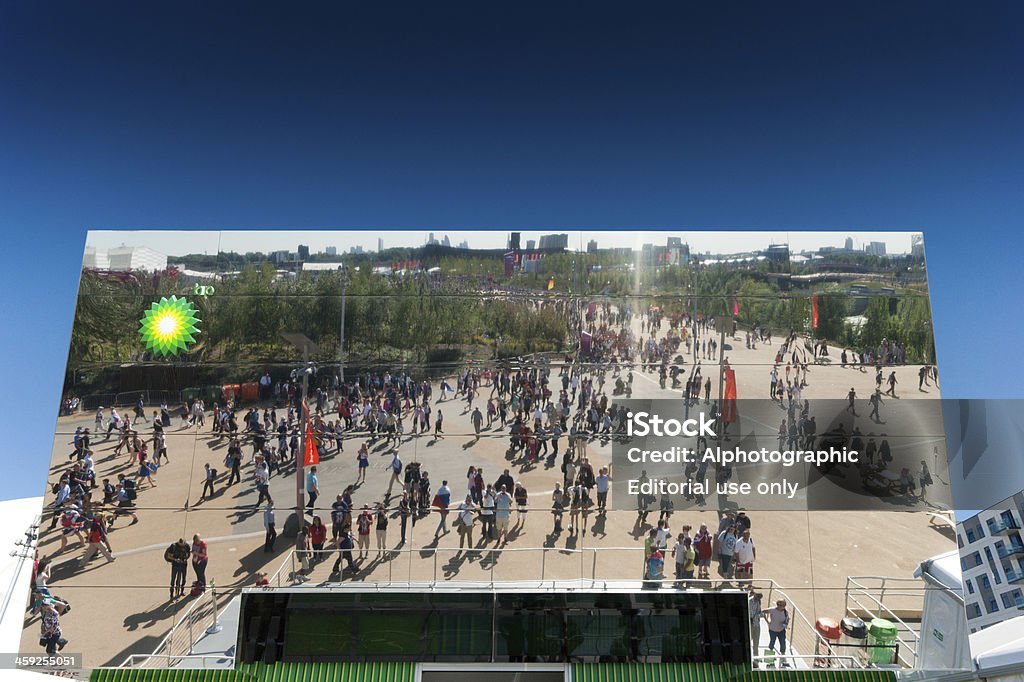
(970, 587)
(986, 584)
(993, 606)
(1006, 601)
(970, 535)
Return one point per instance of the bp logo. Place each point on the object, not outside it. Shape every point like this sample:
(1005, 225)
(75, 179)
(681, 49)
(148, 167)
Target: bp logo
(169, 326)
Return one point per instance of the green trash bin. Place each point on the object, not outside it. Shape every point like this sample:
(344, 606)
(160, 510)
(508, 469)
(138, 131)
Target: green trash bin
(882, 641)
(189, 395)
(213, 394)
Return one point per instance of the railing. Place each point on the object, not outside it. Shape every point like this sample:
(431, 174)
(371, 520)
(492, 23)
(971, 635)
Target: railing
(882, 597)
(176, 660)
(494, 568)
(313, 568)
(1013, 549)
(1014, 577)
(1002, 525)
(152, 399)
(807, 661)
(177, 645)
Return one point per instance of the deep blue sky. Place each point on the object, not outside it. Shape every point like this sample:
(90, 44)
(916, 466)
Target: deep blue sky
(562, 116)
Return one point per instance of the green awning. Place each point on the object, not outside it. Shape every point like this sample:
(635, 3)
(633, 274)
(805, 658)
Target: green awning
(330, 672)
(654, 672)
(406, 672)
(821, 675)
(167, 675)
(706, 672)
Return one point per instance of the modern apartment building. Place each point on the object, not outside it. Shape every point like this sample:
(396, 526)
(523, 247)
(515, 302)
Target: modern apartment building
(992, 560)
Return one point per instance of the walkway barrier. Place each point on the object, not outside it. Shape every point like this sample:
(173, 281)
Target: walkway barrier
(176, 646)
(495, 568)
(897, 600)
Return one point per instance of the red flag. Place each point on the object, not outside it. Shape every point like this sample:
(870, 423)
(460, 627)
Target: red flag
(814, 312)
(311, 456)
(735, 307)
(729, 398)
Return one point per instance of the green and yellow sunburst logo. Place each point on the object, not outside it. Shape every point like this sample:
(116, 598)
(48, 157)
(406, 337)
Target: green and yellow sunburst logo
(169, 326)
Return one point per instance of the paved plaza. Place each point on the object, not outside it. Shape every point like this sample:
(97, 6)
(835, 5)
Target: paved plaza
(122, 607)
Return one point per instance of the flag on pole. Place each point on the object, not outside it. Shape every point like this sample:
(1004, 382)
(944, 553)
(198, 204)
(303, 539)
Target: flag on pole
(311, 456)
(735, 307)
(551, 284)
(729, 398)
(814, 312)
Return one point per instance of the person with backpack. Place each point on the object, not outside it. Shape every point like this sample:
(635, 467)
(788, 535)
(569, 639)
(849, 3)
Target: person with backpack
(211, 476)
(127, 493)
(345, 545)
(177, 555)
(98, 542)
(396, 471)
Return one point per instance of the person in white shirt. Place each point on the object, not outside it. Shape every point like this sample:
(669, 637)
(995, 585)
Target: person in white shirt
(663, 535)
(601, 482)
(503, 512)
(744, 555)
(467, 512)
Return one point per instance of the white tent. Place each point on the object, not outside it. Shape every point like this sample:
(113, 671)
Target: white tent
(15, 575)
(943, 643)
(999, 651)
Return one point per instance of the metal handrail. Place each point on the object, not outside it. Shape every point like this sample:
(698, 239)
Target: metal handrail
(860, 589)
(288, 575)
(227, 658)
(778, 658)
(167, 637)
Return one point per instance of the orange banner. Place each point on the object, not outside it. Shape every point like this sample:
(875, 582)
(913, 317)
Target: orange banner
(729, 397)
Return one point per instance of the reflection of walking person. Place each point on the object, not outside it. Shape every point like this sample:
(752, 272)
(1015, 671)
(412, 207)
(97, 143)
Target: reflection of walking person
(312, 488)
(269, 524)
(924, 477)
(876, 400)
(98, 542)
(211, 475)
(892, 384)
(363, 459)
